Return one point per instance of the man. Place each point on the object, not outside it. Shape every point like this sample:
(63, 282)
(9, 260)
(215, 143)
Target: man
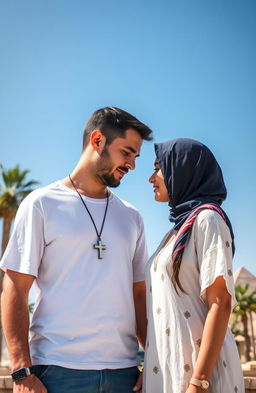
(85, 250)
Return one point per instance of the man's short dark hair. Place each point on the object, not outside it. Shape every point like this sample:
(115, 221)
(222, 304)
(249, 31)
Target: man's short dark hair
(113, 123)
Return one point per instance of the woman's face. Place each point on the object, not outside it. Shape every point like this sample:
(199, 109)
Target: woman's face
(159, 188)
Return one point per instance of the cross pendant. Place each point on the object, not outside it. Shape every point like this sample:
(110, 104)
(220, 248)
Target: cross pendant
(100, 247)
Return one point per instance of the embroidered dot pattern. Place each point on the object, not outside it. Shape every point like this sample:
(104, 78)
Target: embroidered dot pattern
(158, 310)
(156, 370)
(187, 368)
(199, 342)
(187, 314)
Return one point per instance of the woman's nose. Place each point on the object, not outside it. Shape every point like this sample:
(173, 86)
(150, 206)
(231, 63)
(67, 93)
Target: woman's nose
(152, 178)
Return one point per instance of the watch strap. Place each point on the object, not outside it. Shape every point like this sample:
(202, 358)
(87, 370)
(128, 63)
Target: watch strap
(202, 383)
(21, 373)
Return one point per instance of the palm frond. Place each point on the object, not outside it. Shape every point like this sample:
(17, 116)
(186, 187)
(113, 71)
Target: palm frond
(14, 189)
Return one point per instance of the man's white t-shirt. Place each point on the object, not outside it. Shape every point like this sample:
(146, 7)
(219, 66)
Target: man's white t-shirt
(84, 314)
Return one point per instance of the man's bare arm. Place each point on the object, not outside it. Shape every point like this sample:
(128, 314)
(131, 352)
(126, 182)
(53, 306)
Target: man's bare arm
(15, 316)
(139, 294)
(15, 321)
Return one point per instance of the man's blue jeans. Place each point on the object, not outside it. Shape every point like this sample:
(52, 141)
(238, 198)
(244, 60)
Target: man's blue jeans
(65, 380)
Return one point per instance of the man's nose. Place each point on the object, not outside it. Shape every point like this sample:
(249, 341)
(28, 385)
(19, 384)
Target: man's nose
(131, 163)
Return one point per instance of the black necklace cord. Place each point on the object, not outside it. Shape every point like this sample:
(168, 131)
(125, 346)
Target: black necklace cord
(88, 211)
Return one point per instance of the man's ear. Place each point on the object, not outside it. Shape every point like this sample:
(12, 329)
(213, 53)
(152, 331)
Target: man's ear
(97, 140)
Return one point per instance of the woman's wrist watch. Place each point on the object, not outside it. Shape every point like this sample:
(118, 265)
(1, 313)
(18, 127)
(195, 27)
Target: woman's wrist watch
(202, 383)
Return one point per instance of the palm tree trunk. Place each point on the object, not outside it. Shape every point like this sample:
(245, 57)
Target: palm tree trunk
(1, 329)
(6, 232)
(247, 337)
(253, 335)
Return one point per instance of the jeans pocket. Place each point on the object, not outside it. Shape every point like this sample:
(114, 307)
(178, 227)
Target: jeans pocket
(40, 370)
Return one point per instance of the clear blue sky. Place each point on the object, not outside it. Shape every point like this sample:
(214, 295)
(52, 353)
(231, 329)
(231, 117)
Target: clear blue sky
(186, 68)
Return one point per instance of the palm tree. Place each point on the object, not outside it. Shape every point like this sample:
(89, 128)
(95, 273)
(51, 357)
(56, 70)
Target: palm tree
(13, 190)
(246, 304)
(235, 325)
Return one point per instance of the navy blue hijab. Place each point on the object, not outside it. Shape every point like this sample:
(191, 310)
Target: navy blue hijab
(192, 177)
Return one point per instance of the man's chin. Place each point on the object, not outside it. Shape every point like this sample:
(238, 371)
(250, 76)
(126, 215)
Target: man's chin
(114, 185)
(110, 181)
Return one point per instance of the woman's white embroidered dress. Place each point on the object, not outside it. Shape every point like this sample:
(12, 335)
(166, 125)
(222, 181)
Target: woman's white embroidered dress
(176, 322)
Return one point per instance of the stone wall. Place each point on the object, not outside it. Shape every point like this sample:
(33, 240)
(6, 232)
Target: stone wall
(249, 383)
(5, 384)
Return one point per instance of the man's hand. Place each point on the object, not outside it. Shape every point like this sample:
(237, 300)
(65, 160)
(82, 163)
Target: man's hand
(30, 384)
(138, 386)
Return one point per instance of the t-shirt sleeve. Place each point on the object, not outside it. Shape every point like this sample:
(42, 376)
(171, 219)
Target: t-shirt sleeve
(141, 253)
(214, 251)
(26, 245)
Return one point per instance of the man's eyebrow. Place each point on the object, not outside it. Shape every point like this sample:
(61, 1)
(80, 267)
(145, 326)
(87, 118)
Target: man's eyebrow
(132, 150)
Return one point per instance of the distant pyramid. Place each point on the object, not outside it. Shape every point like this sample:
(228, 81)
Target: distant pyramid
(242, 276)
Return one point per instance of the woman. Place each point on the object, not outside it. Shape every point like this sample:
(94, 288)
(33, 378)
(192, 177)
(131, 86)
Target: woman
(190, 290)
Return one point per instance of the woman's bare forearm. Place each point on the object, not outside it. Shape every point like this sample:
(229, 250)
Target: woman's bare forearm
(212, 340)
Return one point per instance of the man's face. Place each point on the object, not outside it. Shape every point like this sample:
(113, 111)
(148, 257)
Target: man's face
(118, 158)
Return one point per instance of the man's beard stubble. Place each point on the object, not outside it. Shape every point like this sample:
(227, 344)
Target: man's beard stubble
(105, 166)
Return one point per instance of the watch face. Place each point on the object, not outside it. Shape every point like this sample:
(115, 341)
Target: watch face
(20, 374)
(205, 384)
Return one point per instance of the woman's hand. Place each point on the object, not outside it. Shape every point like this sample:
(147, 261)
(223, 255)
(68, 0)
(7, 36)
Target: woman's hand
(195, 389)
